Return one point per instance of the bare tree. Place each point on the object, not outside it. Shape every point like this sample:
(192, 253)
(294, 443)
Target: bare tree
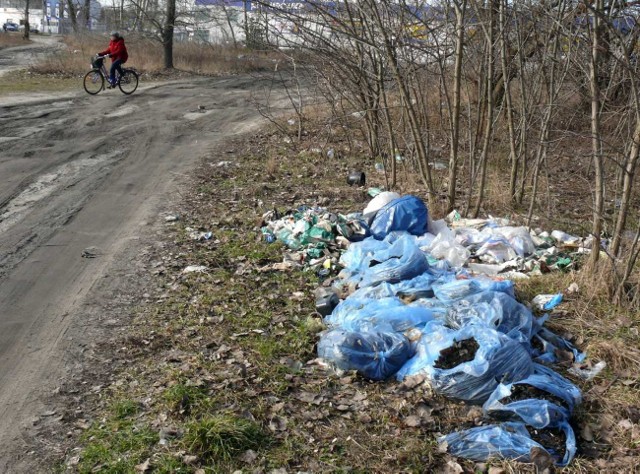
(167, 33)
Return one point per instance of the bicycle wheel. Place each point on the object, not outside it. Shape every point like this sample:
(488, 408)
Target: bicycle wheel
(128, 82)
(93, 82)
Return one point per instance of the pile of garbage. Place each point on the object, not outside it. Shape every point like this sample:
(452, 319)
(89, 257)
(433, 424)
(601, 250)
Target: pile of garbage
(313, 234)
(404, 305)
(316, 238)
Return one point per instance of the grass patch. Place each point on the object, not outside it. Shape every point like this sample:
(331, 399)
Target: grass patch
(116, 447)
(11, 39)
(23, 82)
(218, 439)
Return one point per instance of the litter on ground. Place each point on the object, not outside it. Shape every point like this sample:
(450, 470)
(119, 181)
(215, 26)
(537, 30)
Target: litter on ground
(409, 296)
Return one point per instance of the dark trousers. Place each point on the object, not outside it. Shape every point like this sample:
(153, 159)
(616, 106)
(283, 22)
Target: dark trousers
(115, 66)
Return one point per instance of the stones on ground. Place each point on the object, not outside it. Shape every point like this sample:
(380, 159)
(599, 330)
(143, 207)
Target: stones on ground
(91, 252)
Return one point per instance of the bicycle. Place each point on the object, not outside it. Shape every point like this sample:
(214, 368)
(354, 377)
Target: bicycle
(94, 80)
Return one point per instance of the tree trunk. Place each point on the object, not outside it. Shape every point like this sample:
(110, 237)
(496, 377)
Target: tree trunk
(627, 188)
(73, 15)
(455, 119)
(87, 14)
(167, 34)
(26, 20)
(488, 128)
(513, 157)
(596, 145)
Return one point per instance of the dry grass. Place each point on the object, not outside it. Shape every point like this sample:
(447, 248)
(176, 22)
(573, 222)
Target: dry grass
(8, 40)
(146, 56)
(247, 353)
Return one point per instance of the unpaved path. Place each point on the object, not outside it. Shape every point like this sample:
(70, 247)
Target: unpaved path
(86, 172)
(20, 57)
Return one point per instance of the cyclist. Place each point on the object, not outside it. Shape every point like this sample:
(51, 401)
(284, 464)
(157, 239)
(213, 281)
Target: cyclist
(118, 53)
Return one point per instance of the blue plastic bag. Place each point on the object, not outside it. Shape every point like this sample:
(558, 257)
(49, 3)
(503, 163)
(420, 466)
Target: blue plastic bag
(497, 358)
(407, 213)
(497, 310)
(506, 441)
(454, 290)
(418, 287)
(402, 260)
(358, 255)
(374, 355)
(537, 412)
(368, 314)
(545, 344)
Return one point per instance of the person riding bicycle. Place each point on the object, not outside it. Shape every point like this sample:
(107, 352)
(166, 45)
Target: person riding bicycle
(118, 53)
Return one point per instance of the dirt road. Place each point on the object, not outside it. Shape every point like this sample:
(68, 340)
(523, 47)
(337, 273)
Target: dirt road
(84, 173)
(20, 57)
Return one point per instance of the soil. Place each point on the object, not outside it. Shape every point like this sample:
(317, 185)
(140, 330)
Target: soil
(87, 172)
(526, 392)
(536, 344)
(554, 440)
(459, 353)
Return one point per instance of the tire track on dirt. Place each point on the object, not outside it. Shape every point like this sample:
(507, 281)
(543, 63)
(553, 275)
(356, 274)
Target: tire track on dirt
(47, 220)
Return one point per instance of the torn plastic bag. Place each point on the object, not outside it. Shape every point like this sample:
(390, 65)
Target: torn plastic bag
(361, 315)
(424, 241)
(407, 213)
(374, 355)
(444, 246)
(497, 310)
(519, 238)
(547, 302)
(359, 254)
(497, 358)
(418, 287)
(402, 260)
(496, 250)
(546, 347)
(454, 290)
(551, 401)
(505, 441)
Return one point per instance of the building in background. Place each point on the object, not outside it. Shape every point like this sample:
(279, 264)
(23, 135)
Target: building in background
(12, 11)
(53, 16)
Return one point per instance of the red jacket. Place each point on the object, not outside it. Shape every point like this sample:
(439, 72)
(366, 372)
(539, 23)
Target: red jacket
(117, 50)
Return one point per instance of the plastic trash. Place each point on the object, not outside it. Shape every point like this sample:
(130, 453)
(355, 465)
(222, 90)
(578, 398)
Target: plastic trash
(565, 238)
(497, 310)
(475, 377)
(195, 269)
(540, 400)
(546, 302)
(376, 356)
(356, 178)
(391, 313)
(380, 200)
(588, 373)
(444, 246)
(519, 238)
(326, 301)
(371, 263)
(355, 230)
(496, 250)
(507, 441)
(407, 213)
(452, 291)
(413, 289)
(546, 346)
(373, 192)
